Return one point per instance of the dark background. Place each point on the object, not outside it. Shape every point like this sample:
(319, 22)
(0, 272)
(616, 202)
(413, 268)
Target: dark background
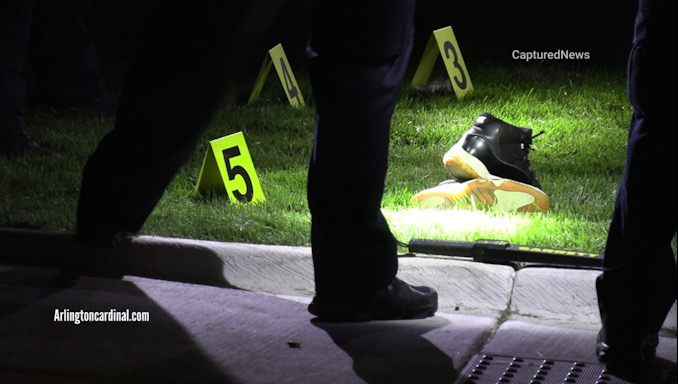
(487, 32)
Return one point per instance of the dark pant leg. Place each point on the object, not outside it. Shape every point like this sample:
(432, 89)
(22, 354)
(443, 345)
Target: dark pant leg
(358, 55)
(63, 55)
(188, 56)
(638, 285)
(15, 30)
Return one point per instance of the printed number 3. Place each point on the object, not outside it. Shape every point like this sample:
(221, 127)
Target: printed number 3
(449, 47)
(234, 171)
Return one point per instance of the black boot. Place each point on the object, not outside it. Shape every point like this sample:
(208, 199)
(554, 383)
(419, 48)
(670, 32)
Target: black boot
(492, 147)
(397, 301)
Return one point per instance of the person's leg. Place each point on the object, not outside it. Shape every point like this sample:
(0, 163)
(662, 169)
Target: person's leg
(15, 30)
(64, 58)
(358, 54)
(638, 284)
(188, 57)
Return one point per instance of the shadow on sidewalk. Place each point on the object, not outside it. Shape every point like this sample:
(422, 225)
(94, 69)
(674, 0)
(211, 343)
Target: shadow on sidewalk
(145, 257)
(393, 351)
(36, 347)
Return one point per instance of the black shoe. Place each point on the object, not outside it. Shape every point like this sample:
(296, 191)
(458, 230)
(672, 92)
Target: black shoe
(15, 142)
(397, 301)
(624, 355)
(492, 147)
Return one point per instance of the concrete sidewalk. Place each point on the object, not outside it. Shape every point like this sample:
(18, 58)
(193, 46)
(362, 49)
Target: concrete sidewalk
(236, 313)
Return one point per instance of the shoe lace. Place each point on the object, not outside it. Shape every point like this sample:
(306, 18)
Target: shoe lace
(539, 134)
(525, 153)
(530, 146)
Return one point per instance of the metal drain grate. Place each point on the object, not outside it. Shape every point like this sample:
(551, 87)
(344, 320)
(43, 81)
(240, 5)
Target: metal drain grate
(495, 369)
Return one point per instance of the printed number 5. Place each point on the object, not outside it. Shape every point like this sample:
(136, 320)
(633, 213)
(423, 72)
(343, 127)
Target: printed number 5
(449, 47)
(235, 171)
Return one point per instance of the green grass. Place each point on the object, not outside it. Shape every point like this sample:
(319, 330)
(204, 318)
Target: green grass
(579, 160)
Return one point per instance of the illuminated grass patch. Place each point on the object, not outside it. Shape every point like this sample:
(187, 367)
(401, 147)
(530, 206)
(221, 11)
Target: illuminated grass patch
(579, 160)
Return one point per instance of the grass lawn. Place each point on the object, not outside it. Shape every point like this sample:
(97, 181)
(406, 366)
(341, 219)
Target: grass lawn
(579, 160)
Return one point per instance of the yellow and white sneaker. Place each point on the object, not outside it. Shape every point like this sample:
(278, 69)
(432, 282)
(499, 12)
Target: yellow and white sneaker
(507, 195)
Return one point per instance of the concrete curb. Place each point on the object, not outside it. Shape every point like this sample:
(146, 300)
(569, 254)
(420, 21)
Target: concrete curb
(243, 334)
(549, 296)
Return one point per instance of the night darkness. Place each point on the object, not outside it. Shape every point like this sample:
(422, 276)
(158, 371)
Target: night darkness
(486, 33)
(492, 32)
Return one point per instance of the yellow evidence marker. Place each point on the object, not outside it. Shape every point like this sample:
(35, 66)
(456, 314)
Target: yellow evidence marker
(276, 57)
(228, 165)
(444, 42)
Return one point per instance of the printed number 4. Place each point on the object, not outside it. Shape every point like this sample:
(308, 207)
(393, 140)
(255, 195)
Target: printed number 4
(234, 171)
(450, 47)
(289, 84)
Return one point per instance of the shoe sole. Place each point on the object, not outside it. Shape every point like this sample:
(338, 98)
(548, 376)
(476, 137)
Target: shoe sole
(461, 165)
(507, 195)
